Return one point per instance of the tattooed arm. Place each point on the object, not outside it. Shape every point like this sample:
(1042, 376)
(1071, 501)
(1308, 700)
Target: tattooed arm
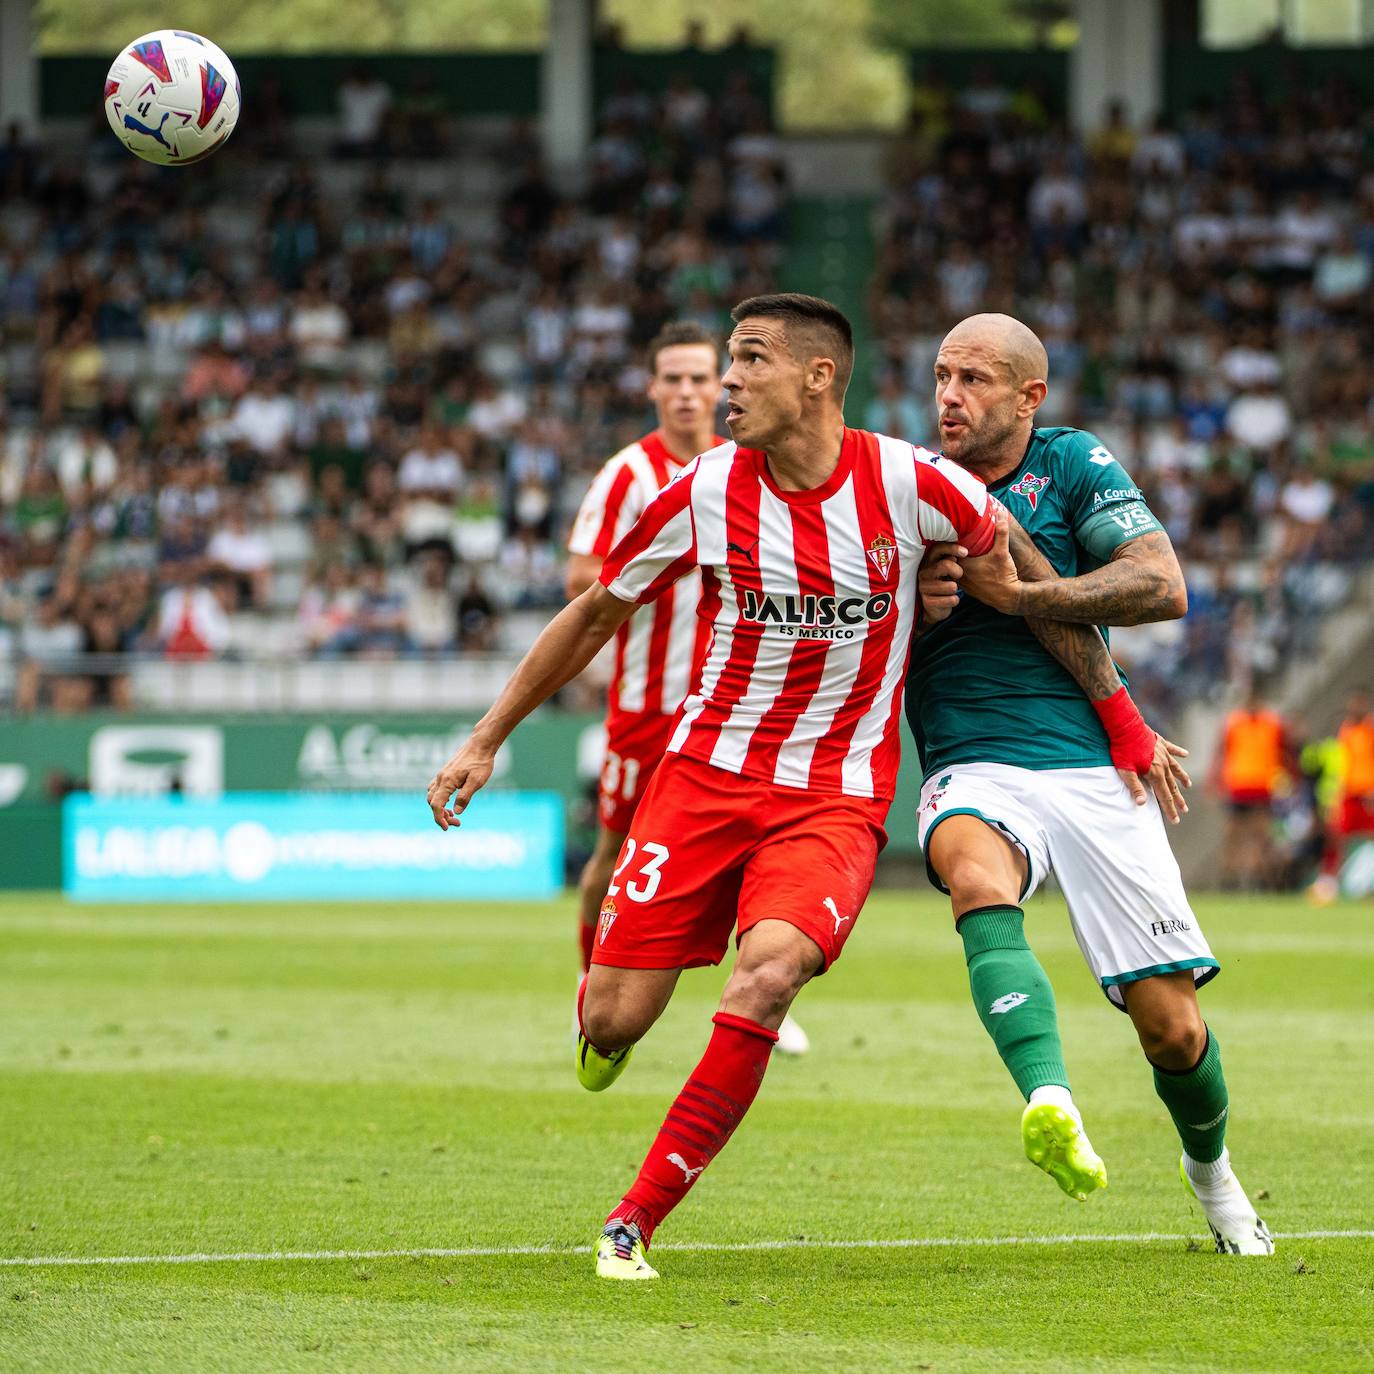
(1079, 649)
(1142, 583)
(1001, 577)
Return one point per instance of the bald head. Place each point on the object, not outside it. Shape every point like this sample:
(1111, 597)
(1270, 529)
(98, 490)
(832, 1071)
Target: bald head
(990, 379)
(1006, 342)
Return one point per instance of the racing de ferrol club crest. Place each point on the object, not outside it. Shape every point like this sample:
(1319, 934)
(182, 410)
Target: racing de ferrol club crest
(1030, 486)
(881, 551)
(608, 915)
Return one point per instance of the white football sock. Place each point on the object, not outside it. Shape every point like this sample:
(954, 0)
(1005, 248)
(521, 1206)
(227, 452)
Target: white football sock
(1057, 1096)
(1202, 1175)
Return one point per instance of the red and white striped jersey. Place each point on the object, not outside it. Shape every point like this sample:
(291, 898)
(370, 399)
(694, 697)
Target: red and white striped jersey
(810, 597)
(655, 653)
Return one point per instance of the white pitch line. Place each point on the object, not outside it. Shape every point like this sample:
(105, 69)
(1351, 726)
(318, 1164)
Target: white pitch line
(496, 1251)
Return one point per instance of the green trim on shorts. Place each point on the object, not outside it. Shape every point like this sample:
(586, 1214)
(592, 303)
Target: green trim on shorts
(1137, 974)
(988, 821)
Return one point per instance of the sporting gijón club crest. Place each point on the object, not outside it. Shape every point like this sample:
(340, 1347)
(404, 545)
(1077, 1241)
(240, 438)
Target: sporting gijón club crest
(1030, 486)
(608, 915)
(881, 551)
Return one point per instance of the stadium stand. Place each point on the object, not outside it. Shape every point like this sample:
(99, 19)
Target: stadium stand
(330, 402)
(1203, 291)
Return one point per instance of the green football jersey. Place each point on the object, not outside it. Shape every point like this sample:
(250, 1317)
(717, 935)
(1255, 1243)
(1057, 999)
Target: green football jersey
(980, 688)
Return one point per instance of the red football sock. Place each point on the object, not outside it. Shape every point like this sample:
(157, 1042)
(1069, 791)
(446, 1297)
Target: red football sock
(586, 935)
(700, 1121)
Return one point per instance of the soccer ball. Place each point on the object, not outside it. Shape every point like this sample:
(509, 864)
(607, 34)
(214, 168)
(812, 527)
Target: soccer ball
(172, 97)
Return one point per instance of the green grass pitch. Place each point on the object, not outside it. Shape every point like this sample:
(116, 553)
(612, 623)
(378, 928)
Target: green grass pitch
(233, 1080)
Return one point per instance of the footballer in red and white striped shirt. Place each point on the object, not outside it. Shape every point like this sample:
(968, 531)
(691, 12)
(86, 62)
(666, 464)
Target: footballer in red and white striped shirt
(657, 653)
(766, 818)
(811, 598)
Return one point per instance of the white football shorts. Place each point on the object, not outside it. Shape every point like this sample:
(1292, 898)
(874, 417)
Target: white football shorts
(1129, 911)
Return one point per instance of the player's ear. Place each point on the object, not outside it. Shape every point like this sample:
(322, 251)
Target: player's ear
(1033, 395)
(820, 373)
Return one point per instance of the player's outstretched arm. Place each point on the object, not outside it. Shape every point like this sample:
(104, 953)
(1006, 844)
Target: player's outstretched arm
(567, 644)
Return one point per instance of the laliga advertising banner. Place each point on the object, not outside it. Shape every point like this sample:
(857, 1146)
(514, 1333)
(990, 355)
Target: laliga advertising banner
(276, 846)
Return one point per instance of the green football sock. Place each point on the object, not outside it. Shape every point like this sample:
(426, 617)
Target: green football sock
(1014, 998)
(1198, 1102)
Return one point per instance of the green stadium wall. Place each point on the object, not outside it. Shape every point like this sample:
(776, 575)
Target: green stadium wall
(1191, 73)
(43, 757)
(471, 83)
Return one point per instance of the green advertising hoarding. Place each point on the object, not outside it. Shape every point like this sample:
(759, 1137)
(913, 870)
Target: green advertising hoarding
(44, 757)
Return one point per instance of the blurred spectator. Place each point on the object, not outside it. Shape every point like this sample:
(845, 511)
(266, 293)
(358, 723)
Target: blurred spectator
(1249, 765)
(265, 417)
(363, 102)
(194, 618)
(431, 613)
(1352, 811)
(318, 326)
(243, 555)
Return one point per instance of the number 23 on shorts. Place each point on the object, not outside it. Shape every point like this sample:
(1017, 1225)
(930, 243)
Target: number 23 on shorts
(643, 882)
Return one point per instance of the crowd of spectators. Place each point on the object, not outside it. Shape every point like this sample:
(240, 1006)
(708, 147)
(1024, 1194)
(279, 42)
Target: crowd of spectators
(310, 405)
(1204, 292)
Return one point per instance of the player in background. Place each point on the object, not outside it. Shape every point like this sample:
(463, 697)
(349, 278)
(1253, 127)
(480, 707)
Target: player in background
(1019, 781)
(657, 652)
(1352, 817)
(1251, 759)
(766, 816)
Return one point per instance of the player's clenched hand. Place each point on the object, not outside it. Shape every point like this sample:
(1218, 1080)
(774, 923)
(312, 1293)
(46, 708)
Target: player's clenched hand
(992, 576)
(463, 774)
(938, 579)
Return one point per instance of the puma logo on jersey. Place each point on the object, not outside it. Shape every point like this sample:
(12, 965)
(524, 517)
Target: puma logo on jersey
(829, 902)
(742, 551)
(688, 1174)
(1008, 1002)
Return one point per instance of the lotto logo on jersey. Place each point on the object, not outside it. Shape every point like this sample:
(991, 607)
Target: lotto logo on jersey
(1030, 486)
(608, 915)
(815, 617)
(881, 552)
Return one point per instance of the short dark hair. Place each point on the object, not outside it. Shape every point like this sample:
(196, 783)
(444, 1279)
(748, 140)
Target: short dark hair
(813, 327)
(680, 332)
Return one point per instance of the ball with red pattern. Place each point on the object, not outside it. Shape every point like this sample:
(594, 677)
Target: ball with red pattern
(172, 97)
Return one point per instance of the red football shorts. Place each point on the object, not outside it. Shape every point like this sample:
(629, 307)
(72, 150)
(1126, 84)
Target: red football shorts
(635, 745)
(709, 851)
(1355, 816)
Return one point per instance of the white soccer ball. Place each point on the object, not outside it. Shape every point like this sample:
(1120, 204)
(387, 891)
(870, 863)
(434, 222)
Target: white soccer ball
(172, 97)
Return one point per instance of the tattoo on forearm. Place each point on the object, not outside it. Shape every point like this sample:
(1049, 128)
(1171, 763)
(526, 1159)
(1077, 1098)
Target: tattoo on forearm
(1082, 652)
(1142, 584)
(1079, 649)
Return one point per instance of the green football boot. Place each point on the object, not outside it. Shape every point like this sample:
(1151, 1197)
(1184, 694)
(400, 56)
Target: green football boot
(620, 1253)
(596, 1071)
(1055, 1141)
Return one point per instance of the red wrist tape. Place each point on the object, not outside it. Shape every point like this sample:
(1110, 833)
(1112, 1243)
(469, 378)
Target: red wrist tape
(1130, 739)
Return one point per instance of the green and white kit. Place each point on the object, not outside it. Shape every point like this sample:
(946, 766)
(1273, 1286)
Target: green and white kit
(1005, 733)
